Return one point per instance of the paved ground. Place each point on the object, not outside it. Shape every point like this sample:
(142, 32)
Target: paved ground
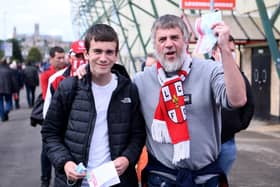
(258, 161)
(257, 165)
(20, 146)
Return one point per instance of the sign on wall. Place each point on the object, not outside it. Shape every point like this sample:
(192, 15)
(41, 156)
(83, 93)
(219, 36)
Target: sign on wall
(205, 4)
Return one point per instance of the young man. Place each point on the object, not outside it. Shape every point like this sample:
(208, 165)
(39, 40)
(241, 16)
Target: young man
(96, 119)
(233, 121)
(181, 98)
(57, 61)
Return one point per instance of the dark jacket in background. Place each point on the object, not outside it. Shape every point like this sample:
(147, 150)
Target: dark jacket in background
(18, 76)
(239, 119)
(8, 82)
(31, 77)
(67, 129)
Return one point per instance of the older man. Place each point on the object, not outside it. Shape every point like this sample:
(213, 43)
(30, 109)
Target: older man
(181, 98)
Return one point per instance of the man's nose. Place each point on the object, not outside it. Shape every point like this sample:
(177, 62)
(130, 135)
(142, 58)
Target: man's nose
(103, 56)
(168, 43)
(62, 60)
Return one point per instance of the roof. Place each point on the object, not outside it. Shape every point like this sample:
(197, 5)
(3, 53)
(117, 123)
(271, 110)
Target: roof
(244, 28)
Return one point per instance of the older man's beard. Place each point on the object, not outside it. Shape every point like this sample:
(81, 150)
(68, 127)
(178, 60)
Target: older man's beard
(171, 66)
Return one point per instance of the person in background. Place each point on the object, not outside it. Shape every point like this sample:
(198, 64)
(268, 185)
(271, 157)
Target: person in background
(150, 60)
(233, 121)
(143, 160)
(44, 66)
(76, 58)
(8, 86)
(18, 73)
(96, 119)
(181, 99)
(31, 81)
(57, 61)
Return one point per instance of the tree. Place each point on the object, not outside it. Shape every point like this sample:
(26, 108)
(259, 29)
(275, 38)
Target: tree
(34, 55)
(1, 54)
(16, 50)
(1, 50)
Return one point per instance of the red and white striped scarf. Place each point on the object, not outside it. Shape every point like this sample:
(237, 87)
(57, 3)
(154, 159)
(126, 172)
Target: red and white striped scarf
(170, 124)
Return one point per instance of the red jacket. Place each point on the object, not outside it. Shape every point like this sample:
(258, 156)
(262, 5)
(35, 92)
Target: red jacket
(44, 79)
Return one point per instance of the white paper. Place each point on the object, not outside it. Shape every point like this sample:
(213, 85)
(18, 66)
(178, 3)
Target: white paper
(206, 37)
(103, 176)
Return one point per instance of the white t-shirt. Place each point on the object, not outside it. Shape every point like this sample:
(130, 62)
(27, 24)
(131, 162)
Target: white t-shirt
(99, 152)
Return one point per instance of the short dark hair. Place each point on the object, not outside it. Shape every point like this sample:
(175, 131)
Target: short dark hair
(54, 50)
(103, 33)
(151, 55)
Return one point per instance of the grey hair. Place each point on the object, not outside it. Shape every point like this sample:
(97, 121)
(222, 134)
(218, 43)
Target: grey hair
(167, 22)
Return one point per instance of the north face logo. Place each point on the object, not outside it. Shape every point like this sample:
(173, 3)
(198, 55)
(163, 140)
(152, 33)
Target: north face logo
(126, 100)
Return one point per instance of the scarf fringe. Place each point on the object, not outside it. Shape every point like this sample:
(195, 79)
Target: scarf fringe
(181, 151)
(160, 132)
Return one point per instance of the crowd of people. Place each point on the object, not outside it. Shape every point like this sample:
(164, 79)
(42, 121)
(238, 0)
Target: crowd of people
(174, 121)
(14, 76)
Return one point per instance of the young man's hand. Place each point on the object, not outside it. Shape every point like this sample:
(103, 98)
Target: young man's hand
(121, 164)
(70, 171)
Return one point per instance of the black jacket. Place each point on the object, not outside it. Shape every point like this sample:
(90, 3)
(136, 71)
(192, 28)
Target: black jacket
(239, 119)
(8, 82)
(67, 129)
(18, 76)
(31, 77)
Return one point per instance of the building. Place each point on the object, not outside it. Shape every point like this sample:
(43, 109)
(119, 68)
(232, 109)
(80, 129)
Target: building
(42, 42)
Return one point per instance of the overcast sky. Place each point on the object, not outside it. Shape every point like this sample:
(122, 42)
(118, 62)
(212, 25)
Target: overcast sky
(52, 15)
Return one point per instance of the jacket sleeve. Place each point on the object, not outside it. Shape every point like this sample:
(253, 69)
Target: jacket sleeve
(55, 125)
(138, 133)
